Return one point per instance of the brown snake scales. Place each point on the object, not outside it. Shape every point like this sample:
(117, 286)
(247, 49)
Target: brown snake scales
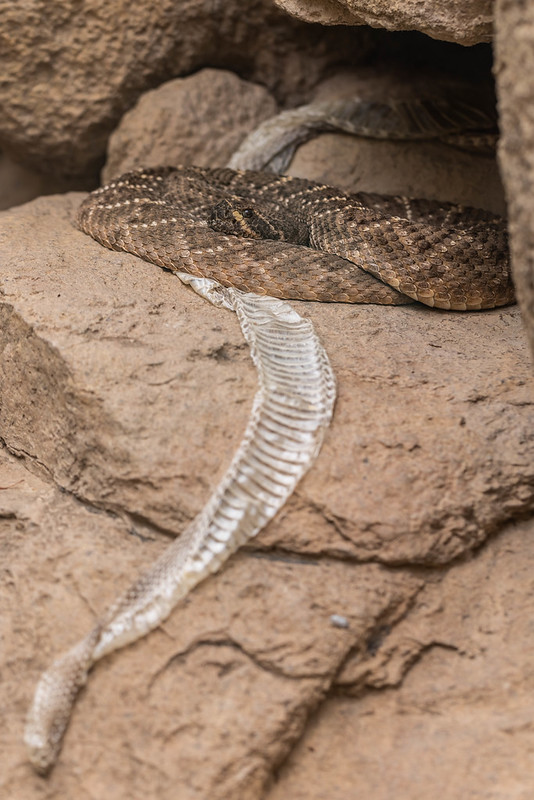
(323, 244)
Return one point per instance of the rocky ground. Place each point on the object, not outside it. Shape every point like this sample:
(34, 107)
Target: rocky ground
(375, 640)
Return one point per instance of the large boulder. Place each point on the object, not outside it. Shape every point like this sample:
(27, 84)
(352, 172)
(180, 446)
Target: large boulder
(514, 65)
(200, 120)
(126, 395)
(99, 366)
(70, 71)
(457, 21)
(208, 705)
(458, 726)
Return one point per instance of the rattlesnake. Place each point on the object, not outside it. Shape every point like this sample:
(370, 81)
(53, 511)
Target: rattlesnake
(371, 249)
(440, 254)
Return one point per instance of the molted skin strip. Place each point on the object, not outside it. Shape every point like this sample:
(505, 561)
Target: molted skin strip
(295, 379)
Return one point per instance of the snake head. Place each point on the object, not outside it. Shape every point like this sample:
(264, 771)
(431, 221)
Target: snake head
(239, 217)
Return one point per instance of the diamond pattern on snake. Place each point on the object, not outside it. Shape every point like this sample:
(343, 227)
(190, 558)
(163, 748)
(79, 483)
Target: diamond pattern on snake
(295, 239)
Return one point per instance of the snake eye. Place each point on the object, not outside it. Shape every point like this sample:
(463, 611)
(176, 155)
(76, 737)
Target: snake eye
(247, 212)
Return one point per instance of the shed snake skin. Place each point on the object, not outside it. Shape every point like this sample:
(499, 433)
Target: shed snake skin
(290, 414)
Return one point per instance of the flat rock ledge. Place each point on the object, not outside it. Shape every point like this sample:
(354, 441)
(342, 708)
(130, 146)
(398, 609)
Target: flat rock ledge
(132, 393)
(124, 396)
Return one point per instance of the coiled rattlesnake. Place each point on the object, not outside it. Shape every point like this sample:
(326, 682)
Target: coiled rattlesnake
(440, 254)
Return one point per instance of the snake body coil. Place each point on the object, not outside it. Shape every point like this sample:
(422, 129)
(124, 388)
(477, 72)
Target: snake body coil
(362, 247)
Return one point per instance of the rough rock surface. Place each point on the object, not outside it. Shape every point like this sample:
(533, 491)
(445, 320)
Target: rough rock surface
(20, 185)
(514, 66)
(130, 392)
(83, 65)
(85, 358)
(210, 702)
(198, 120)
(457, 21)
(125, 389)
(460, 725)
(358, 164)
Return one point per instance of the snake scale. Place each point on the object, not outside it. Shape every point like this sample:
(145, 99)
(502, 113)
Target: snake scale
(229, 234)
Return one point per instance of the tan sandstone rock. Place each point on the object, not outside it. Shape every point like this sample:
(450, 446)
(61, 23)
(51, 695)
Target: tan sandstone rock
(198, 120)
(459, 727)
(124, 388)
(429, 169)
(514, 65)
(457, 21)
(209, 703)
(70, 71)
(103, 362)
(20, 185)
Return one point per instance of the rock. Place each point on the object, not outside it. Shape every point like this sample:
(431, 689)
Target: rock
(198, 120)
(209, 704)
(83, 66)
(130, 393)
(423, 169)
(465, 23)
(124, 387)
(428, 169)
(125, 396)
(20, 185)
(460, 720)
(141, 320)
(514, 62)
